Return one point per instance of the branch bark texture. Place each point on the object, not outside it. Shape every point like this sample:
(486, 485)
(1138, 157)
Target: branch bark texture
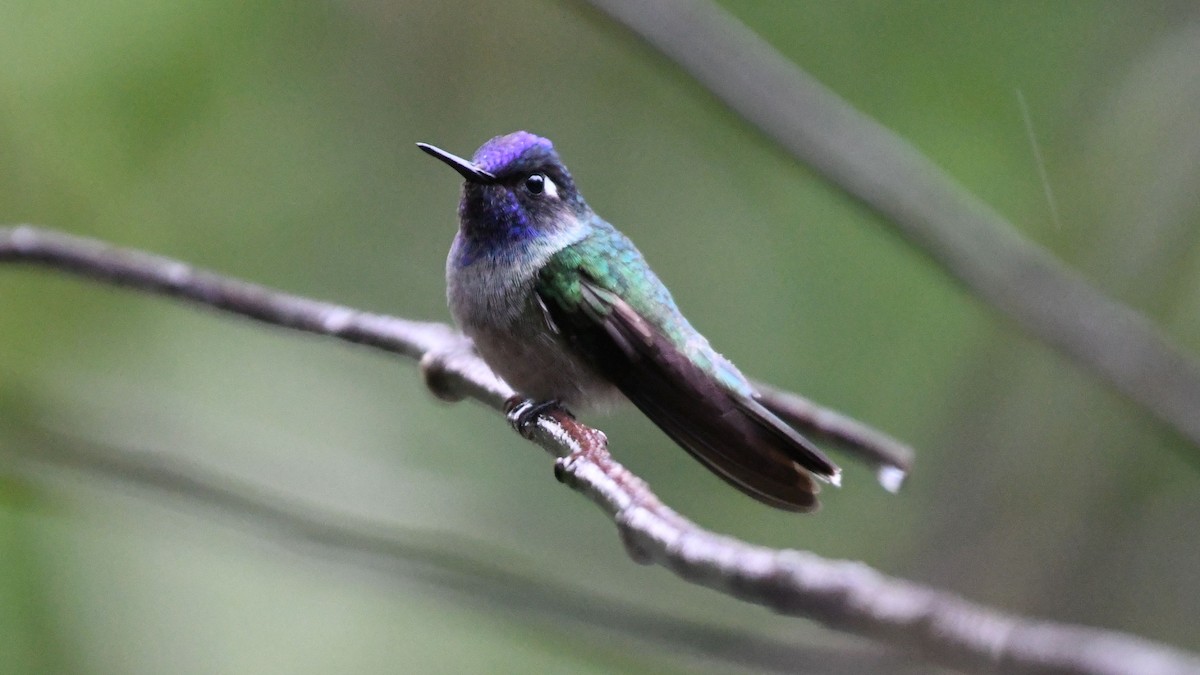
(466, 568)
(847, 596)
(958, 231)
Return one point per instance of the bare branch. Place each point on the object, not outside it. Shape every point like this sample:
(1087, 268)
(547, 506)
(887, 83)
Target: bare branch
(477, 576)
(843, 595)
(971, 242)
(161, 275)
(427, 341)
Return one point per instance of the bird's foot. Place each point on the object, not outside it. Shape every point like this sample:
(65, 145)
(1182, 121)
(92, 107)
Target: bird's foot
(522, 413)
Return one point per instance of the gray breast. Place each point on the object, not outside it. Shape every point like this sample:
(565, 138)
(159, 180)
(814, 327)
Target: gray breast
(493, 301)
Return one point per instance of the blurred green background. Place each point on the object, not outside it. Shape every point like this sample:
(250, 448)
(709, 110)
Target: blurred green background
(273, 141)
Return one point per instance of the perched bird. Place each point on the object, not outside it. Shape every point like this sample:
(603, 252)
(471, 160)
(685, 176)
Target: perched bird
(564, 308)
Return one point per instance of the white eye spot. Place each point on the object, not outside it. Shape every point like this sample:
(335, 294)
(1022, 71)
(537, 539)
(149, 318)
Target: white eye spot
(540, 184)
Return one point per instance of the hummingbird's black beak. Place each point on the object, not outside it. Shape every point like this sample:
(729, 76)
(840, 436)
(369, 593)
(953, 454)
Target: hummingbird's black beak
(469, 170)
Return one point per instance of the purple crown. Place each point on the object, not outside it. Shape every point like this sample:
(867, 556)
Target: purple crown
(501, 151)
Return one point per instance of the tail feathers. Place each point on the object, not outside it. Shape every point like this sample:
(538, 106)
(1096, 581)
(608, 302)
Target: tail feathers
(804, 451)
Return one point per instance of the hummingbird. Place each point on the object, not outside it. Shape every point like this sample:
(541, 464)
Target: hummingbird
(566, 310)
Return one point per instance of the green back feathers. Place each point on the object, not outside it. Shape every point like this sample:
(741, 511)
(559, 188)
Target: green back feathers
(609, 260)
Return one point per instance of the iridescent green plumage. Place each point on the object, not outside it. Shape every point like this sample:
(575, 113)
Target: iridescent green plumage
(611, 261)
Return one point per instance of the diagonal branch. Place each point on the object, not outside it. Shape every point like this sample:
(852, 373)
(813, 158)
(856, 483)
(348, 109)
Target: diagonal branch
(457, 566)
(843, 595)
(971, 241)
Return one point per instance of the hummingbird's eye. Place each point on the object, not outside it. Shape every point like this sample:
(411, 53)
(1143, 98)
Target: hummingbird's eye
(539, 183)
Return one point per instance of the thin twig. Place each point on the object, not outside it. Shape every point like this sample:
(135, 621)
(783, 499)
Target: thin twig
(1038, 160)
(414, 339)
(161, 275)
(970, 240)
(843, 595)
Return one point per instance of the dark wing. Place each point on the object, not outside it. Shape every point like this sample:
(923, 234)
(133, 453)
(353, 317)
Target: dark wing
(734, 436)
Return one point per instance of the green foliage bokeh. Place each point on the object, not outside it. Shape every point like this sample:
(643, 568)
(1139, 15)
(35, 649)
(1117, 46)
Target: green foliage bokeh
(273, 141)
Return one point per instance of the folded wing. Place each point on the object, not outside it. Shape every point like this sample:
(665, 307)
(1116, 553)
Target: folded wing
(730, 433)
